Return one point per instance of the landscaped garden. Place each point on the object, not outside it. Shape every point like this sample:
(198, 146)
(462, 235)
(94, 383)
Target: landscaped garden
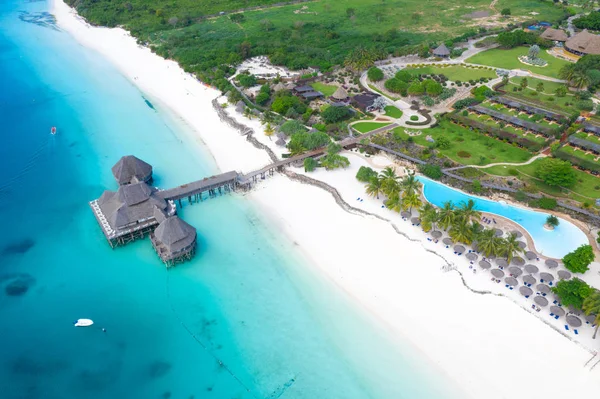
(588, 136)
(489, 121)
(455, 72)
(365, 127)
(466, 146)
(509, 59)
(393, 112)
(326, 89)
(546, 99)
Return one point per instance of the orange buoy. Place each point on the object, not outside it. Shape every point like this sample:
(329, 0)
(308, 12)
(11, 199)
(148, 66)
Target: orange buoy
(53, 130)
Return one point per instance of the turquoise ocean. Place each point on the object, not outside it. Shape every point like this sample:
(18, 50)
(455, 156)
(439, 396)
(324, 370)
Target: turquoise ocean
(247, 318)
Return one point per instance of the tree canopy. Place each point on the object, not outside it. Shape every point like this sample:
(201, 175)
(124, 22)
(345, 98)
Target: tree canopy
(579, 260)
(365, 174)
(555, 172)
(572, 292)
(375, 74)
(336, 114)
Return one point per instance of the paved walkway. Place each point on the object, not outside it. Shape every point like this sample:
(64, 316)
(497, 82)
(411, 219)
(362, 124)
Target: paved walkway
(531, 160)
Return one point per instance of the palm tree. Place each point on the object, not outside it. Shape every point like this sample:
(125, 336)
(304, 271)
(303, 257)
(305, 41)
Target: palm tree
(429, 216)
(476, 230)
(580, 79)
(446, 215)
(567, 72)
(374, 187)
(467, 211)
(410, 184)
(389, 181)
(488, 243)
(461, 231)
(510, 246)
(410, 201)
(394, 202)
(591, 305)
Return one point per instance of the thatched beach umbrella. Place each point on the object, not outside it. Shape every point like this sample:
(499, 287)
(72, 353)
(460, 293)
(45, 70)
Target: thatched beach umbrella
(474, 246)
(472, 256)
(517, 233)
(540, 300)
(497, 273)
(501, 262)
(515, 271)
(591, 319)
(459, 248)
(498, 232)
(531, 255)
(564, 275)
(436, 234)
(521, 244)
(546, 276)
(518, 261)
(491, 256)
(525, 291)
(511, 281)
(573, 321)
(531, 269)
(551, 263)
(448, 241)
(543, 288)
(415, 220)
(484, 264)
(529, 279)
(405, 214)
(557, 310)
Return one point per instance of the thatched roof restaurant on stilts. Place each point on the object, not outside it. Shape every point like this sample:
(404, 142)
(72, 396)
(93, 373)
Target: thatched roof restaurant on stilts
(174, 241)
(130, 169)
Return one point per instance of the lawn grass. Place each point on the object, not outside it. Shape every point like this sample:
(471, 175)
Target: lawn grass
(586, 188)
(482, 149)
(549, 86)
(365, 127)
(508, 59)
(551, 102)
(455, 72)
(393, 112)
(488, 120)
(588, 136)
(327, 90)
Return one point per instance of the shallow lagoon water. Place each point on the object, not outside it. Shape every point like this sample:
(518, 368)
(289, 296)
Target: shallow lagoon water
(248, 318)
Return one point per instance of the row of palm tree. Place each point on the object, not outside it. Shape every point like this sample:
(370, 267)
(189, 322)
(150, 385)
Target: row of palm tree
(462, 225)
(402, 193)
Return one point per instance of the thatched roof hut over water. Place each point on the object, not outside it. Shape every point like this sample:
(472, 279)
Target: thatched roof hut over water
(130, 169)
(174, 241)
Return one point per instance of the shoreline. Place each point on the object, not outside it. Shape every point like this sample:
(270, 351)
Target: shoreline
(368, 271)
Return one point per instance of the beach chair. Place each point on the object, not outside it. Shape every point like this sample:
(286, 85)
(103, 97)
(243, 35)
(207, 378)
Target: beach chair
(556, 317)
(552, 314)
(576, 332)
(566, 327)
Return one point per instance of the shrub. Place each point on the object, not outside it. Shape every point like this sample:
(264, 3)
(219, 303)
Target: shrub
(552, 221)
(555, 172)
(262, 98)
(246, 80)
(310, 164)
(291, 127)
(416, 89)
(572, 292)
(414, 118)
(365, 174)
(476, 186)
(431, 171)
(404, 76)
(466, 102)
(547, 203)
(396, 86)
(336, 114)
(375, 74)
(579, 260)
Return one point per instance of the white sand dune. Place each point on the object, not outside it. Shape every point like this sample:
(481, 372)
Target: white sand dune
(490, 345)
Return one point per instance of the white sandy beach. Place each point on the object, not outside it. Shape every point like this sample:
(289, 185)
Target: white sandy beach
(490, 345)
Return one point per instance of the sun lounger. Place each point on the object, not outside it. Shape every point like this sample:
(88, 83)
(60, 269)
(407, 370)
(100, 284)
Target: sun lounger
(566, 327)
(576, 332)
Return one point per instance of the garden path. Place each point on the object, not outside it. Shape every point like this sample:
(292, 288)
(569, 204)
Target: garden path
(532, 159)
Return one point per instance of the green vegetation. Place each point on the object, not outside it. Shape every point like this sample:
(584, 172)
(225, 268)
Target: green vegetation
(375, 74)
(579, 260)
(326, 89)
(365, 174)
(552, 221)
(590, 21)
(393, 112)
(365, 127)
(333, 160)
(508, 59)
(555, 172)
(310, 164)
(585, 72)
(336, 114)
(455, 72)
(487, 149)
(414, 118)
(546, 203)
(304, 141)
(291, 127)
(431, 171)
(591, 305)
(572, 292)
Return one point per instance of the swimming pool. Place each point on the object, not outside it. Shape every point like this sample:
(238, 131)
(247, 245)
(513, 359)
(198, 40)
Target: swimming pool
(553, 243)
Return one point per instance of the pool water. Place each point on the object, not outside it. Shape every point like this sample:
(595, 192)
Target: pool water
(552, 243)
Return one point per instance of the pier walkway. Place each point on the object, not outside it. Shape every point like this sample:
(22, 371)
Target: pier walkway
(230, 181)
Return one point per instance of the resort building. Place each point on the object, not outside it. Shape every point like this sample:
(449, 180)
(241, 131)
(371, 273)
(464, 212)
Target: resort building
(307, 92)
(340, 96)
(441, 51)
(129, 170)
(584, 43)
(130, 212)
(557, 35)
(174, 241)
(279, 87)
(365, 101)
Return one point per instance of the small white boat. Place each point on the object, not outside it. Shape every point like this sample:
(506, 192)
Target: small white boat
(53, 130)
(83, 323)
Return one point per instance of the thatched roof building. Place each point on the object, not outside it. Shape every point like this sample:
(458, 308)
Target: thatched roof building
(132, 210)
(441, 51)
(557, 35)
(364, 101)
(279, 87)
(130, 169)
(174, 241)
(584, 43)
(340, 94)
